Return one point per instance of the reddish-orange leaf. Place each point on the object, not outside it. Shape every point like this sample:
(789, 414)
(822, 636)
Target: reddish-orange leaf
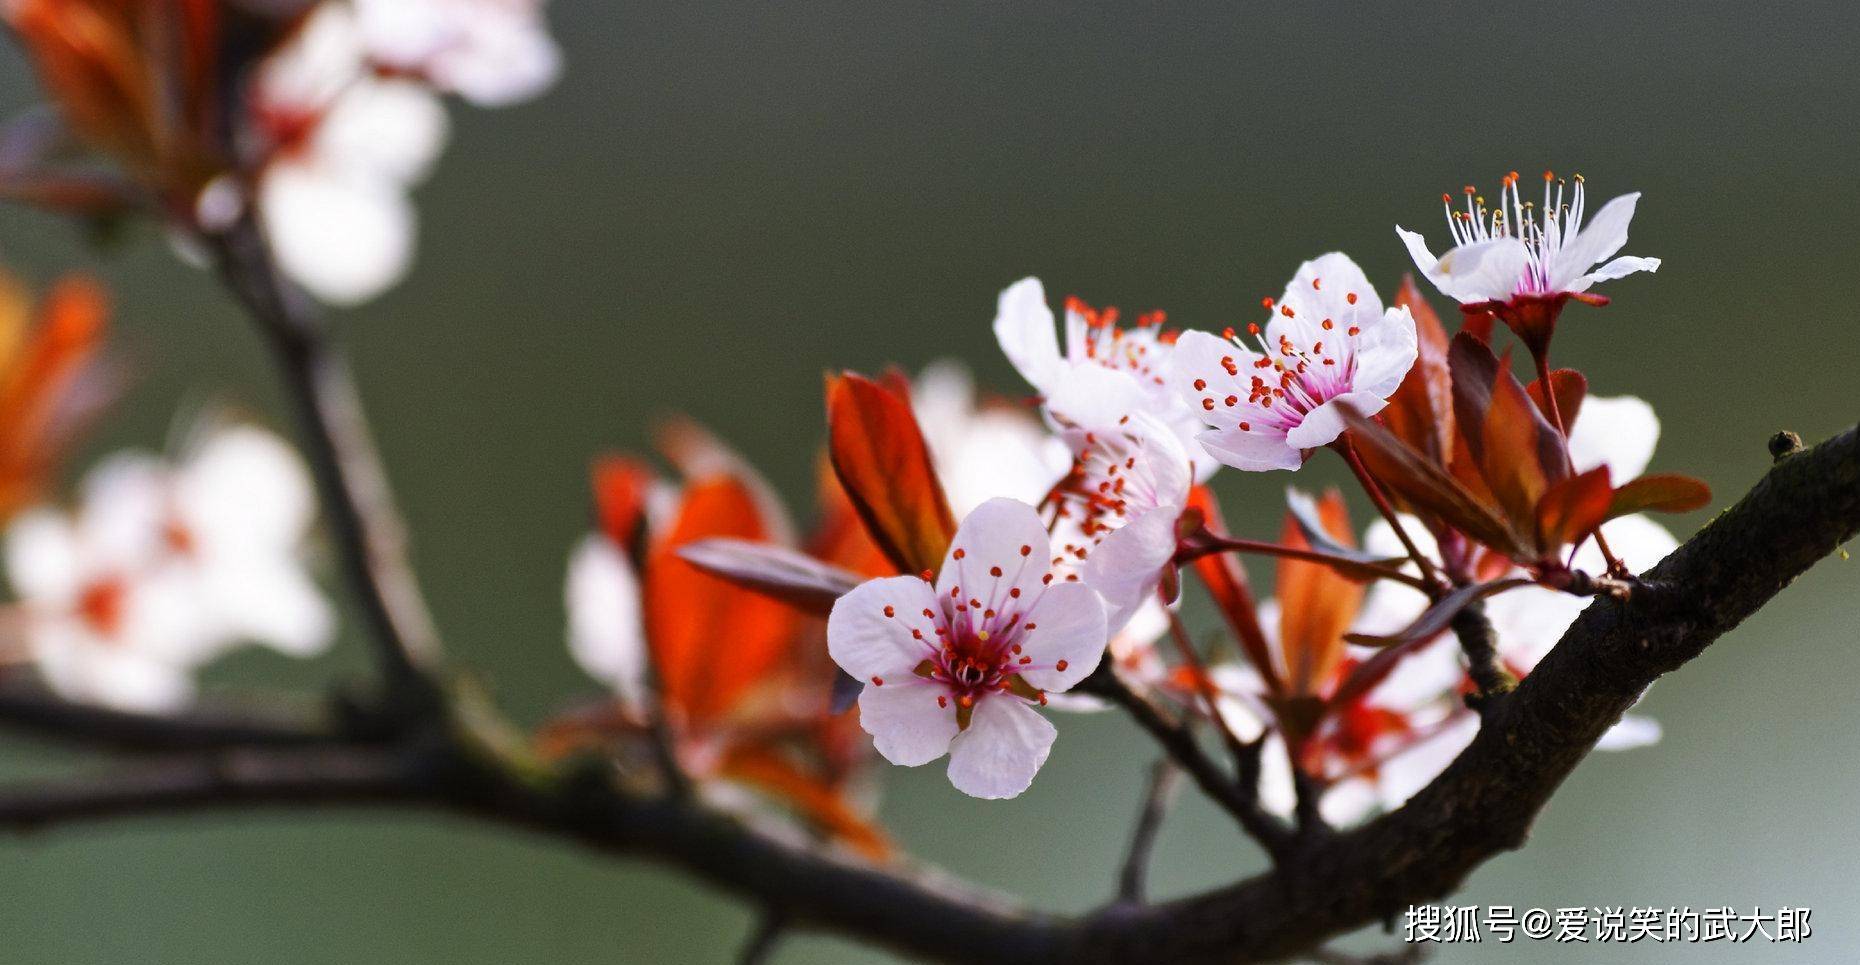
(1571, 389)
(1426, 486)
(1572, 509)
(1420, 412)
(879, 453)
(839, 537)
(1226, 581)
(50, 386)
(815, 800)
(1659, 493)
(621, 485)
(710, 639)
(1316, 603)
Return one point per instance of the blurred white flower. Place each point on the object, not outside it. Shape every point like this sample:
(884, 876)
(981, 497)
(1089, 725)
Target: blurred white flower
(346, 147)
(981, 448)
(490, 52)
(162, 568)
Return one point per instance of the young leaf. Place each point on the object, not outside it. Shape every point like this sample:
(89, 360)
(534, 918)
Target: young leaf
(1440, 615)
(881, 459)
(778, 572)
(1659, 493)
(1316, 603)
(1572, 509)
(1226, 581)
(1427, 486)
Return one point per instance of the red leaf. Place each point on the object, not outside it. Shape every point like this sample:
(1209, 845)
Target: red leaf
(879, 453)
(621, 484)
(710, 639)
(1226, 581)
(778, 572)
(1420, 412)
(1660, 493)
(1316, 603)
(1571, 389)
(1571, 510)
(1425, 485)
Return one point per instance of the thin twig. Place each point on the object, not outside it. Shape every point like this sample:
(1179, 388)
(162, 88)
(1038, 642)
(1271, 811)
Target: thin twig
(770, 926)
(1430, 580)
(1133, 879)
(31, 709)
(1178, 740)
(1211, 543)
(1480, 643)
(366, 528)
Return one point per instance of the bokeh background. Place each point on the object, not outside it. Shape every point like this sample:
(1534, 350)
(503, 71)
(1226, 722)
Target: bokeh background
(721, 200)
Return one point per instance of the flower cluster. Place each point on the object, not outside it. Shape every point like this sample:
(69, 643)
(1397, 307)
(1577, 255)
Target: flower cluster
(1005, 573)
(161, 567)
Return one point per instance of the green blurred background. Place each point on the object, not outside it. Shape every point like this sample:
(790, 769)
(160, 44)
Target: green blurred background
(721, 200)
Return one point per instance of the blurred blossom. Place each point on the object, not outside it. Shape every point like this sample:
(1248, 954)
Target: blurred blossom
(983, 448)
(164, 567)
(957, 668)
(1329, 343)
(1119, 509)
(490, 52)
(52, 381)
(346, 144)
(320, 120)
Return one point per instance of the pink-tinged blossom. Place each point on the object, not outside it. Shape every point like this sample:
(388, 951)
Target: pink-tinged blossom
(1520, 250)
(1105, 370)
(1119, 511)
(162, 568)
(958, 667)
(1328, 344)
(490, 52)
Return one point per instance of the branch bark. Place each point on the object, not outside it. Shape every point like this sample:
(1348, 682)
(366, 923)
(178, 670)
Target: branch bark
(1482, 804)
(351, 483)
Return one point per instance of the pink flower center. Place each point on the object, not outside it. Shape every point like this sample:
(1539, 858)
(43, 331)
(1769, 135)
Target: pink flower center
(1545, 230)
(1141, 351)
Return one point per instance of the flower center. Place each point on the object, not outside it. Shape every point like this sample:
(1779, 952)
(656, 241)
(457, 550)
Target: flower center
(1140, 351)
(1545, 229)
(102, 604)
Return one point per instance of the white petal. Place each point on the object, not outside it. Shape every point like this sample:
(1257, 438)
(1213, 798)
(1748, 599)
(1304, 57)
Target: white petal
(502, 65)
(1068, 625)
(1636, 540)
(1203, 358)
(1348, 801)
(1094, 397)
(605, 635)
(96, 673)
(867, 643)
(1002, 750)
(1024, 327)
(273, 603)
(344, 237)
(42, 558)
(1595, 240)
(908, 726)
(1322, 425)
(1619, 268)
(1413, 769)
(1530, 620)
(1385, 352)
(1486, 271)
(1629, 733)
(995, 534)
(1614, 431)
(1429, 676)
(1127, 566)
(1257, 450)
(244, 490)
(1277, 793)
(388, 129)
(125, 504)
(1337, 277)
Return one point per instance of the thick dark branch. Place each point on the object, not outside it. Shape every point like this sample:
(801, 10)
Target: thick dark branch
(30, 709)
(1482, 804)
(359, 508)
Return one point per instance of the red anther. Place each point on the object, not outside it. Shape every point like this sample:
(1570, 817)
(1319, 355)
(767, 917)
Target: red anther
(890, 611)
(994, 571)
(1060, 666)
(878, 681)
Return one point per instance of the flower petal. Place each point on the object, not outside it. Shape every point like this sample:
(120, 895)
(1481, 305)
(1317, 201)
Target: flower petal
(1262, 448)
(1126, 567)
(1619, 432)
(604, 631)
(1322, 287)
(344, 236)
(1004, 533)
(1024, 327)
(867, 643)
(1595, 240)
(907, 723)
(1619, 268)
(1629, 733)
(1322, 425)
(1068, 623)
(1004, 747)
(1385, 353)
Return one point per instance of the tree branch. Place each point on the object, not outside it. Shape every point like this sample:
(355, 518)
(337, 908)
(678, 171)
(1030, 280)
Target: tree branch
(1133, 878)
(1482, 804)
(31, 709)
(358, 505)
